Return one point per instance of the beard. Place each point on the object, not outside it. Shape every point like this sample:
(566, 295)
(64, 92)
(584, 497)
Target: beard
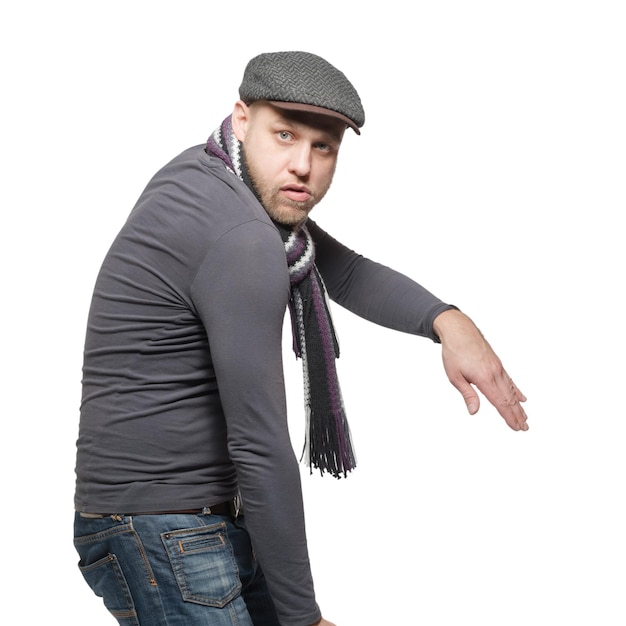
(281, 210)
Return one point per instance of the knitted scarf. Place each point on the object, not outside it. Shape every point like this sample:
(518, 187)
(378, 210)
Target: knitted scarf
(327, 446)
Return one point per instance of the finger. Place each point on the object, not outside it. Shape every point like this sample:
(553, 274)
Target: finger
(472, 400)
(519, 413)
(506, 398)
(513, 413)
(515, 417)
(520, 396)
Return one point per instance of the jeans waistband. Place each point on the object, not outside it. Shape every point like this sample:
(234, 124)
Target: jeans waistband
(230, 507)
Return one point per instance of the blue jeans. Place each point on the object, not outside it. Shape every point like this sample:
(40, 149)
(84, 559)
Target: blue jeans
(174, 570)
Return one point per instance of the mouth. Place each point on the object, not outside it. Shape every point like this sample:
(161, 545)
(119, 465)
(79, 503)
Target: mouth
(297, 193)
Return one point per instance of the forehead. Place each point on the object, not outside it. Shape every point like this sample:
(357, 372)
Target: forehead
(313, 121)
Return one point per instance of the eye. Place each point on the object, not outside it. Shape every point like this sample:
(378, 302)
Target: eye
(324, 147)
(284, 135)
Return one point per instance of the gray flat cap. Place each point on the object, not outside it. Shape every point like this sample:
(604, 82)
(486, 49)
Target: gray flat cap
(302, 81)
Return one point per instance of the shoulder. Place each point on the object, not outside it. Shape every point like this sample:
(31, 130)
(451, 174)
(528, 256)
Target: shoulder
(198, 195)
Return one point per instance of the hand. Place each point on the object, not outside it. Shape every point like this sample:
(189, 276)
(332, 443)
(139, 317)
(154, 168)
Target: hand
(323, 622)
(469, 360)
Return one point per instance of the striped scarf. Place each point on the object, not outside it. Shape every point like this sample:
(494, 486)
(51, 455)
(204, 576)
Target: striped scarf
(327, 446)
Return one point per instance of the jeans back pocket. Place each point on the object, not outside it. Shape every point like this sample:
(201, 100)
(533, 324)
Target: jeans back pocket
(204, 564)
(106, 579)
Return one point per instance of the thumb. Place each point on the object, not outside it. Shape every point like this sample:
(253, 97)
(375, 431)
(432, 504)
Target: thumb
(472, 401)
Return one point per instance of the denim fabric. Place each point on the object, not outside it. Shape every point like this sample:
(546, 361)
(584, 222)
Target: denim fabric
(174, 570)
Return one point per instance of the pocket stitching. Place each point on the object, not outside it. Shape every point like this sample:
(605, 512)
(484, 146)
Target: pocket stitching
(176, 552)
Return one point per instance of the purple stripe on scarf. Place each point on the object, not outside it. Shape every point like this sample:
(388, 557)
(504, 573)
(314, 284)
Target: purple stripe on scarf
(328, 346)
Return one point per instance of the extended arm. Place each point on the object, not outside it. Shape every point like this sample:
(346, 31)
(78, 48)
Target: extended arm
(387, 297)
(374, 291)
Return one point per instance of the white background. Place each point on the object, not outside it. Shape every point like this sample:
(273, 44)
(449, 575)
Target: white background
(491, 169)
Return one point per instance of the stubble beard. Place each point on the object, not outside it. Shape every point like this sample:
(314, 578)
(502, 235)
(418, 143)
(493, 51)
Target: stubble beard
(282, 210)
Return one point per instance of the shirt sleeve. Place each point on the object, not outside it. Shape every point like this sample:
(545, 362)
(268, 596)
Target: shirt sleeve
(373, 291)
(241, 291)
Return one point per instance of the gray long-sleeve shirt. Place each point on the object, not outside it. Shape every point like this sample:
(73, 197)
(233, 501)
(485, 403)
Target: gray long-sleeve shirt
(183, 391)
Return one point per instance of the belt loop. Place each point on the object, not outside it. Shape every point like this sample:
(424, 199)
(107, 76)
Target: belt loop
(236, 506)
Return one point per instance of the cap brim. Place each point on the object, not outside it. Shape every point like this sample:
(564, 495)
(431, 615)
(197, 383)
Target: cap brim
(310, 108)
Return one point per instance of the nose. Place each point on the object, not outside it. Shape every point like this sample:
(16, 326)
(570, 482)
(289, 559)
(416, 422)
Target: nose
(300, 160)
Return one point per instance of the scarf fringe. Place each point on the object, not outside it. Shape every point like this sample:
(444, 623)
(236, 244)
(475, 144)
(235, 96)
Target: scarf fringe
(328, 446)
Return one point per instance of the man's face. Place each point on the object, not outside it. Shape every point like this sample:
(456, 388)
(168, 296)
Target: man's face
(291, 157)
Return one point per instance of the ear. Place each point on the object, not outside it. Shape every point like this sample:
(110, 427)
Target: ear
(240, 119)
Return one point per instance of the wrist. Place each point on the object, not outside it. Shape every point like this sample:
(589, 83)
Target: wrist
(448, 321)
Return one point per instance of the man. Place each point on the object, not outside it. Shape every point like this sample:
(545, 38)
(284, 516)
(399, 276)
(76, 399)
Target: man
(188, 498)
